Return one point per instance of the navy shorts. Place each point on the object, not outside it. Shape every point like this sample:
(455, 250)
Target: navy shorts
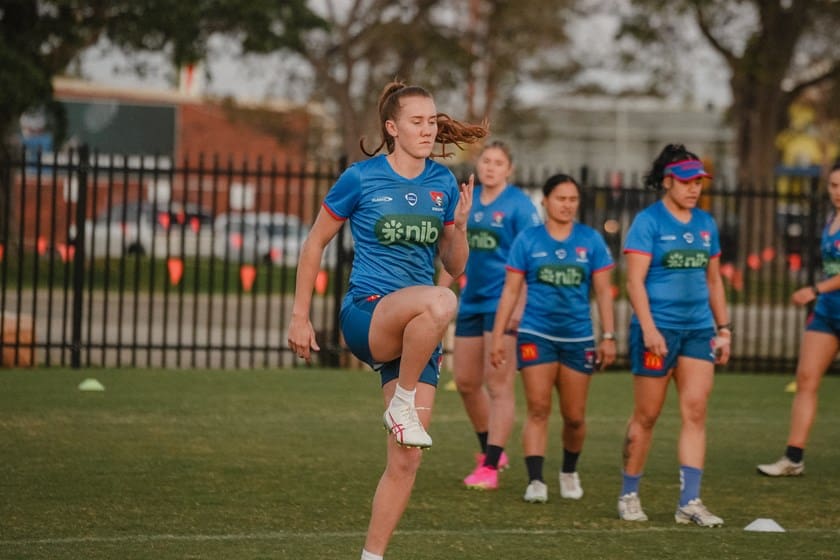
(691, 343)
(532, 350)
(823, 324)
(476, 324)
(355, 319)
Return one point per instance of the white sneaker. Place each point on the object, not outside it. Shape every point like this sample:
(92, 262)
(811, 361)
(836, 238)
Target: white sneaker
(402, 422)
(570, 486)
(695, 512)
(630, 508)
(782, 467)
(536, 493)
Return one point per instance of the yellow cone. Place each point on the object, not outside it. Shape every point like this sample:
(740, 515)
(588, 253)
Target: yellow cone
(91, 384)
(790, 387)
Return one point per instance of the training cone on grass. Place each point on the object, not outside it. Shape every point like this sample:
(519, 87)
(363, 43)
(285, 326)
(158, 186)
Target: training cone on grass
(790, 387)
(764, 525)
(247, 275)
(176, 270)
(321, 282)
(91, 384)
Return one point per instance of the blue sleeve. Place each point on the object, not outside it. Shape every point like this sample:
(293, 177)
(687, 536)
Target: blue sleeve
(640, 236)
(343, 197)
(601, 256)
(517, 258)
(526, 215)
(715, 249)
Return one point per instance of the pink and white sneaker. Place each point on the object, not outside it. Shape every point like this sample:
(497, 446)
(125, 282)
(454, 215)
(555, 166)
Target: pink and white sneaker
(483, 478)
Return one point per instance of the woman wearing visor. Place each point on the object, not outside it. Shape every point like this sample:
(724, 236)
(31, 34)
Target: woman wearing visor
(679, 330)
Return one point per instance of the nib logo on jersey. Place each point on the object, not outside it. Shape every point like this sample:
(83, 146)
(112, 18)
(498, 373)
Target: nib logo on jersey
(560, 275)
(482, 239)
(407, 229)
(685, 258)
(831, 267)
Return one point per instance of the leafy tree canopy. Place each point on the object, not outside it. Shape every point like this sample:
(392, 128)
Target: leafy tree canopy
(39, 38)
(773, 49)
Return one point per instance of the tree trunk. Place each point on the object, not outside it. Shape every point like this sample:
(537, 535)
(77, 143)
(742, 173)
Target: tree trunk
(759, 113)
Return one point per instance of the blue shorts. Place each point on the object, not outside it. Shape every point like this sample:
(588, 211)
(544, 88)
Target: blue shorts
(532, 350)
(476, 324)
(355, 319)
(691, 343)
(823, 324)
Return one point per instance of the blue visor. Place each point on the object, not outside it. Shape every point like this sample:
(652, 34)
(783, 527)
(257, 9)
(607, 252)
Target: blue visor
(686, 170)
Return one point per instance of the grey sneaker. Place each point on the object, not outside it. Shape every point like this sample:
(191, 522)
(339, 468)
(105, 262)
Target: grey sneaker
(782, 467)
(695, 512)
(402, 422)
(570, 486)
(536, 493)
(630, 508)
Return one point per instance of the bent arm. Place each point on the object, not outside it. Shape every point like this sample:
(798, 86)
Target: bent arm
(454, 250)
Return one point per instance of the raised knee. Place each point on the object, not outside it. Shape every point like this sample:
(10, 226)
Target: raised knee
(443, 306)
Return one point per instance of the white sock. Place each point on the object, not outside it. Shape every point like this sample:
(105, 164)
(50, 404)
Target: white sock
(404, 394)
(370, 556)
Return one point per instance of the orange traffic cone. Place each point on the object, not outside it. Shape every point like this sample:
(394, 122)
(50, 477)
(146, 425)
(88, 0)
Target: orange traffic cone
(176, 270)
(321, 282)
(247, 275)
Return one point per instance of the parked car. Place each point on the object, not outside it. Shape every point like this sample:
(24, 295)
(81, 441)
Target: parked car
(144, 228)
(271, 237)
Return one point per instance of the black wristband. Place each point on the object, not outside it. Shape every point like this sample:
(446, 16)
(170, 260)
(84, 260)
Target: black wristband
(816, 290)
(725, 326)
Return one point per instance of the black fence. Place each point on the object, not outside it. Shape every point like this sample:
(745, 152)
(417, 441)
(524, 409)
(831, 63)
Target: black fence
(113, 261)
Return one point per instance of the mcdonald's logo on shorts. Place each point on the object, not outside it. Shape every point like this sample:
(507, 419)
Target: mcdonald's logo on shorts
(528, 352)
(653, 361)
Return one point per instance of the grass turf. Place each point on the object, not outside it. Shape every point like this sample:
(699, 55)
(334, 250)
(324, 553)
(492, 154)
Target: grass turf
(283, 464)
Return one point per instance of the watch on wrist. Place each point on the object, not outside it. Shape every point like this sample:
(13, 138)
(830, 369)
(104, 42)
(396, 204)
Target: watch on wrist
(608, 335)
(725, 327)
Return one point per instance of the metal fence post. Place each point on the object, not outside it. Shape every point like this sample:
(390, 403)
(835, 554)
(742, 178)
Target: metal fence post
(79, 257)
(341, 264)
(812, 235)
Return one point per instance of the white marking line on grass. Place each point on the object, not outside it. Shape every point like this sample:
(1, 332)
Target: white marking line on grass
(287, 535)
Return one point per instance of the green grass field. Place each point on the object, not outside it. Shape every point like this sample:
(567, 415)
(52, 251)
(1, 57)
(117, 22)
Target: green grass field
(260, 464)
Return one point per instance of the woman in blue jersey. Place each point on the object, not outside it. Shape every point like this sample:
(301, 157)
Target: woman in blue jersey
(820, 341)
(561, 262)
(404, 209)
(680, 327)
(499, 212)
